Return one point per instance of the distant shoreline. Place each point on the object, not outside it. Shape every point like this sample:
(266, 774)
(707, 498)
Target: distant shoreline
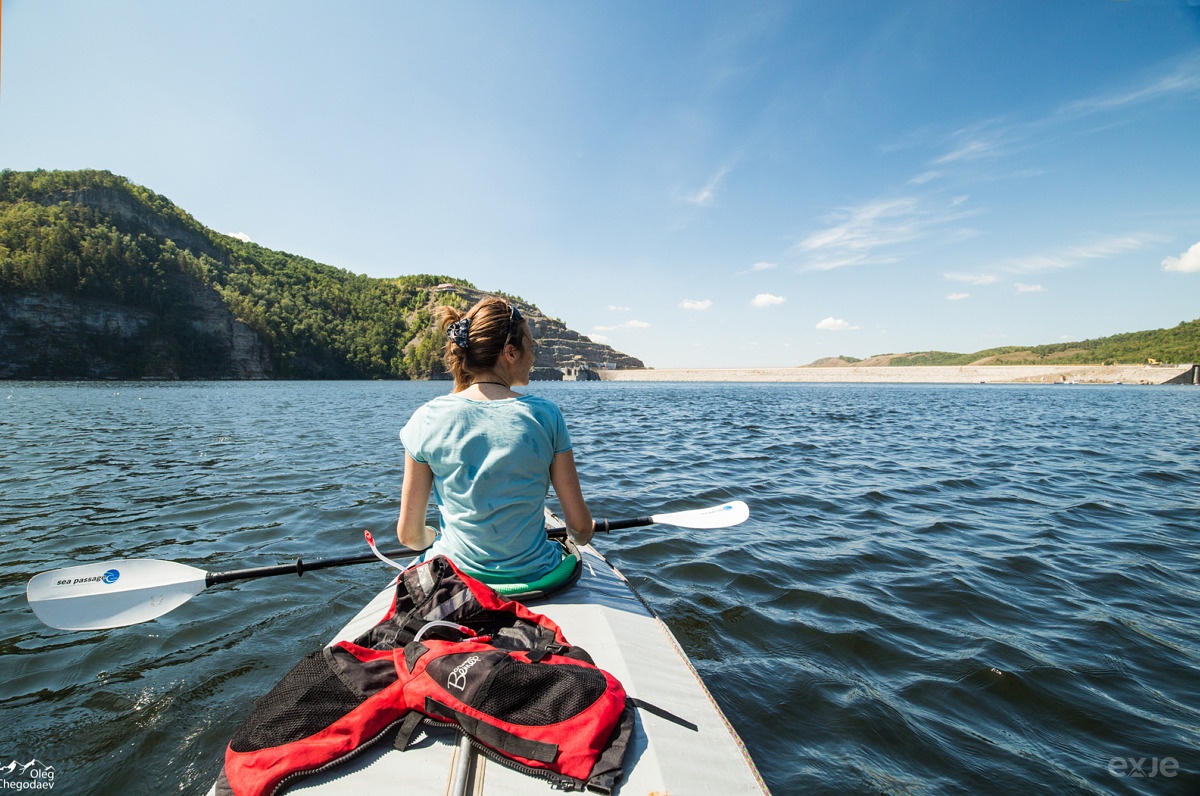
(967, 374)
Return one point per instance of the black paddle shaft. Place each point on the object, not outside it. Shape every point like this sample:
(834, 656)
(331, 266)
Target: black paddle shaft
(618, 525)
(298, 568)
(604, 526)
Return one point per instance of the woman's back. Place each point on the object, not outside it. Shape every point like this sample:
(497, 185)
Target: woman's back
(491, 465)
(489, 455)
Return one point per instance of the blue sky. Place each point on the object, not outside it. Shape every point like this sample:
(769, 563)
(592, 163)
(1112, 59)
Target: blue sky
(699, 184)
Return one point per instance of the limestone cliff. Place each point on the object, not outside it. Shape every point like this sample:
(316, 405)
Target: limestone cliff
(558, 348)
(46, 335)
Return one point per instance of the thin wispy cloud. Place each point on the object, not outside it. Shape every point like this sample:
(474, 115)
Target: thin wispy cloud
(766, 300)
(242, 236)
(1186, 263)
(693, 304)
(926, 177)
(832, 324)
(1061, 258)
(758, 268)
(874, 233)
(958, 296)
(708, 194)
(1181, 80)
(996, 138)
(1076, 255)
(985, 140)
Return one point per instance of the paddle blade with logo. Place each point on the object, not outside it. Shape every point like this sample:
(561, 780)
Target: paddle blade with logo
(112, 593)
(725, 515)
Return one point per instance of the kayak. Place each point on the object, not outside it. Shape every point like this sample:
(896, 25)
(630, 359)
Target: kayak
(602, 613)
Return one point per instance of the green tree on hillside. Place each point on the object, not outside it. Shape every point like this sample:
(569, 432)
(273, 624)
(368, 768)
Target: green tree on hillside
(319, 321)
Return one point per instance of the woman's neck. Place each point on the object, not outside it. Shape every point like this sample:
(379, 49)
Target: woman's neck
(490, 386)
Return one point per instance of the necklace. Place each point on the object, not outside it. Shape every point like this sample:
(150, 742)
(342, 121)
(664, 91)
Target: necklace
(497, 383)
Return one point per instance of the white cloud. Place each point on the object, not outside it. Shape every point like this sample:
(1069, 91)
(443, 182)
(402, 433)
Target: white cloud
(692, 304)
(974, 279)
(599, 338)
(615, 308)
(1186, 263)
(763, 266)
(626, 325)
(958, 296)
(835, 325)
(766, 300)
(1024, 288)
(242, 236)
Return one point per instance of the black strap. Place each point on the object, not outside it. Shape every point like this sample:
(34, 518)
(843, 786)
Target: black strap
(412, 653)
(408, 728)
(495, 737)
(663, 713)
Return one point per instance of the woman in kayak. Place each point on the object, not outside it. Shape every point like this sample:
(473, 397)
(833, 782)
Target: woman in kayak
(489, 455)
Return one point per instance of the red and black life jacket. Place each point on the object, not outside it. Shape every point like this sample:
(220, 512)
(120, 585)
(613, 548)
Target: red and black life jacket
(449, 651)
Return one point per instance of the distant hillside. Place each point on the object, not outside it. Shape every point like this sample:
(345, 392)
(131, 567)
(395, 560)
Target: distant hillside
(101, 278)
(1177, 345)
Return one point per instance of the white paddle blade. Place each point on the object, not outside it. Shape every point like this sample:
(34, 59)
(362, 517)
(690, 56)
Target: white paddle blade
(723, 516)
(112, 593)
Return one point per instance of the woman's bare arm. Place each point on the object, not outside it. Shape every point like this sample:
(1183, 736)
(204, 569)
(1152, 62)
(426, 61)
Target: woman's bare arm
(565, 479)
(414, 503)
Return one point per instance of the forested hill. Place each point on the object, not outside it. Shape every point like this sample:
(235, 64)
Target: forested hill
(1178, 344)
(102, 278)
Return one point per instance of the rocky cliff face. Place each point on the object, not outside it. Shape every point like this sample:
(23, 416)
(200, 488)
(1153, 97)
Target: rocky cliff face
(558, 347)
(52, 336)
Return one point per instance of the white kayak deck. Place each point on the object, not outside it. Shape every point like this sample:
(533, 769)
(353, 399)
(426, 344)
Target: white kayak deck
(602, 614)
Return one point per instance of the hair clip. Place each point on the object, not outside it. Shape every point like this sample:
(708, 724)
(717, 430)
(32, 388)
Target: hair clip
(458, 332)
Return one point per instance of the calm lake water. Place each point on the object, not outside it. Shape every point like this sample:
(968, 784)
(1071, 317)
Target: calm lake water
(941, 589)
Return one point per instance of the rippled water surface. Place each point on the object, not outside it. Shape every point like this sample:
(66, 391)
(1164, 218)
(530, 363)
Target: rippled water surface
(941, 589)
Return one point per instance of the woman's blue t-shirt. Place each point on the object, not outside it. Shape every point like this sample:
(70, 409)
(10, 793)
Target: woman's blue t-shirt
(491, 473)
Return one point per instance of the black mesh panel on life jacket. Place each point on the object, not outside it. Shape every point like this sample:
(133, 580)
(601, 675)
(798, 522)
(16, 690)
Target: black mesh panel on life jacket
(536, 695)
(307, 700)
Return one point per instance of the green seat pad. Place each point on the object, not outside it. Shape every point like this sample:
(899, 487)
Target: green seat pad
(550, 582)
